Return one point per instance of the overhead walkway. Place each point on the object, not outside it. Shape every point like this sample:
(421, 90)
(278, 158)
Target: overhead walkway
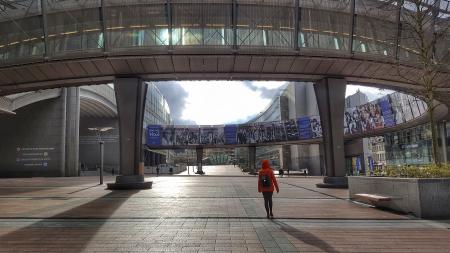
(47, 44)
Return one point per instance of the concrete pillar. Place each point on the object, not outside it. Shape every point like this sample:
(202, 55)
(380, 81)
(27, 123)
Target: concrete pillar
(252, 159)
(330, 94)
(72, 134)
(199, 152)
(130, 98)
(286, 162)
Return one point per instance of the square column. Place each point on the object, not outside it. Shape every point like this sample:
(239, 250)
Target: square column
(199, 153)
(252, 159)
(330, 94)
(130, 98)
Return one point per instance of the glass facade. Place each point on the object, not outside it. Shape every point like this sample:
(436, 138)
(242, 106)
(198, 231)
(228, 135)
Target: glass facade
(409, 146)
(34, 29)
(157, 110)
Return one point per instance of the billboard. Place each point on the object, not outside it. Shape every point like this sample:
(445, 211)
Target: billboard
(252, 133)
(388, 111)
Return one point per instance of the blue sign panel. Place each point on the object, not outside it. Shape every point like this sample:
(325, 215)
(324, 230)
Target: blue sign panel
(304, 128)
(230, 132)
(153, 135)
(386, 110)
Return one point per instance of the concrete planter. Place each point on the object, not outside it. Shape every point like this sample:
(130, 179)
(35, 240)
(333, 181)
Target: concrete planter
(423, 197)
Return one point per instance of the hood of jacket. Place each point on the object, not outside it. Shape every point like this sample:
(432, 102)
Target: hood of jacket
(265, 164)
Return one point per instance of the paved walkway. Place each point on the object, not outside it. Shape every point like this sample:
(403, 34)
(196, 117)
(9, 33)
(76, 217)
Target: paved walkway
(201, 214)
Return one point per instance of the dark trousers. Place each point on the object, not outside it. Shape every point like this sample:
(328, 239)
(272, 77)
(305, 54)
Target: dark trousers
(268, 202)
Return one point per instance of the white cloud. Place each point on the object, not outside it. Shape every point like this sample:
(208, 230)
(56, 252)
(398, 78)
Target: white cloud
(221, 102)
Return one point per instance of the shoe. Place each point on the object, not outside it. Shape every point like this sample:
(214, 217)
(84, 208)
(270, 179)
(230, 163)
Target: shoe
(271, 215)
(268, 217)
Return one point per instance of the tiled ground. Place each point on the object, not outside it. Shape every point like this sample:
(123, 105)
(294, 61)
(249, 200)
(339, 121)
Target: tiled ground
(201, 214)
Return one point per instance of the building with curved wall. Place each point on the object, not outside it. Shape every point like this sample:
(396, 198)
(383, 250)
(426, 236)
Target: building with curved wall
(295, 100)
(48, 133)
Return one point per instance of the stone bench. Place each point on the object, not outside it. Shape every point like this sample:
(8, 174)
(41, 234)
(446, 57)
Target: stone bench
(372, 199)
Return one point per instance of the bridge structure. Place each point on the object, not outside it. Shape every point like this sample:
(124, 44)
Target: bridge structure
(47, 44)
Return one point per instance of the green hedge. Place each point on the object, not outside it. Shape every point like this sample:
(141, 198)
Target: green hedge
(415, 171)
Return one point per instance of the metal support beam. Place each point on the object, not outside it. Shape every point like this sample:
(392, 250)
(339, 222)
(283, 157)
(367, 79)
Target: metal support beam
(399, 29)
(297, 16)
(234, 24)
(352, 32)
(169, 23)
(103, 24)
(44, 28)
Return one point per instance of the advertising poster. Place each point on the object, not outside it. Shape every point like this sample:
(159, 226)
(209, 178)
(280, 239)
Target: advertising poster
(316, 127)
(386, 111)
(230, 132)
(291, 130)
(414, 106)
(396, 106)
(246, 134)
(352, 124)
(154, 135)
(211, 136)
(304, 128)
(279, 131)
(185, 136)
(168, 136)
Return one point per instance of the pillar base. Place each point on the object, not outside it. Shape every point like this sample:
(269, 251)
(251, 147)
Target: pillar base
(333, 182)
(130, 183)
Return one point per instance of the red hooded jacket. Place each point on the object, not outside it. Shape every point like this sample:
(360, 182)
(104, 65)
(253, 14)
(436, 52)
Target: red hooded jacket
(266, 171)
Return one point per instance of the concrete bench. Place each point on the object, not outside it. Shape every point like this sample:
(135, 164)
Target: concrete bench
(371, 199)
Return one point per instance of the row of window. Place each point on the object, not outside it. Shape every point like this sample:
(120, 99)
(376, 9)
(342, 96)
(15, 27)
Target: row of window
(199, 24)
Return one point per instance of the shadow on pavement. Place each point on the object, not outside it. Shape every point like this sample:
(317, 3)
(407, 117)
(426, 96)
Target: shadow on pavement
(61, 232)
(305, 237)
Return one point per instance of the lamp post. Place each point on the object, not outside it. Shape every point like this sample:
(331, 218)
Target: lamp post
(98, 131)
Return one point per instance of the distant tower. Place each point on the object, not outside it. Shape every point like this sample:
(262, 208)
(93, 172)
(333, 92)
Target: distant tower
(356, 99)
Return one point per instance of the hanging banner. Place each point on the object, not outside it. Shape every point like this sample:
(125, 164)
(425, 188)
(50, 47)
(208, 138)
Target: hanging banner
(304, 128)
(154, 135)
(212, 136)
(386, 110)
(291, 129)
(230, 132)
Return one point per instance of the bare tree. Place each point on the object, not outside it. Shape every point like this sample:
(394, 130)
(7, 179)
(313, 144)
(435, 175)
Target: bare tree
(424, 36)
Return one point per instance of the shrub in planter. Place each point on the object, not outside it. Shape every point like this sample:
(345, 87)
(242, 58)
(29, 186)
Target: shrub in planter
(415, 171)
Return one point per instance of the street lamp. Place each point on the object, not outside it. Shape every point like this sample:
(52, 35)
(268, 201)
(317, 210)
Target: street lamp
(98, 131)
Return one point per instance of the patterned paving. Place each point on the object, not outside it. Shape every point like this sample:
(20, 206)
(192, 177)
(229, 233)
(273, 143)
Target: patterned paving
(201, 214)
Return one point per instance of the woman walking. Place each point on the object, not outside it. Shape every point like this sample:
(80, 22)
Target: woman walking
(266, 184)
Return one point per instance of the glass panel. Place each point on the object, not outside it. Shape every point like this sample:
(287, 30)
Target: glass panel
(375, 27)
(73, 26)
(129, 25)
(21, 31)
(207, 23)
(269, 25)
(325, 24)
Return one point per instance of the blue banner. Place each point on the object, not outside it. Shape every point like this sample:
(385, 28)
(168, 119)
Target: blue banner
(230, 132)
(386, 110)
(304, 128)
(153, 135)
